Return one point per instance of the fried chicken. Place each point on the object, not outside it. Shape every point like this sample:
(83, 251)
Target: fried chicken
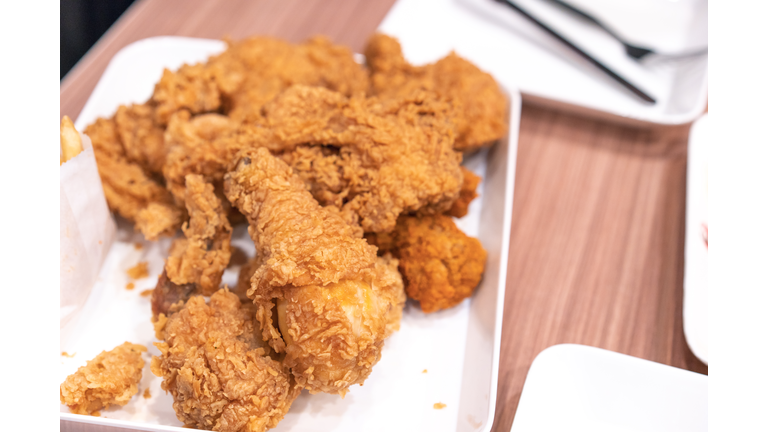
(395, 156)
(218, 370)
(111, 378)
(168, 297)
(128, 188)
(482, 117)
(468, 192)
(440, 264)
(335, 302)
(142, 139)
(252, 72)
(203, 254)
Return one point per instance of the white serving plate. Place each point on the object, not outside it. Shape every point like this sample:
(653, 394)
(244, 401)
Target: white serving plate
(695, 298)
(515, 51)
(580, 388)
(459, 347)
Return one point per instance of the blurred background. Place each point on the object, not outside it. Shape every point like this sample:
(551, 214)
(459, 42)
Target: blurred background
(82, 24)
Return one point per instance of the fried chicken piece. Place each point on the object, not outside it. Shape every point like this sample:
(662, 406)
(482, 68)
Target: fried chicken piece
(335, 302)
(130, 191)
(251, 72)
(244, 277)
(203, 254)
(440, 264)
(468, 192)
(322, 170)
(395, 156)
(192, 88)
(482, 118)
(141, 138)
(218, 370)
(111, 378)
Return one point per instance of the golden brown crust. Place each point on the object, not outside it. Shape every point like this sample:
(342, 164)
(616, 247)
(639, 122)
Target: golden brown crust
(396, 156)
(218, 371)
(468, 192)
(203, 254)
(319, 282)
(440, 264)
(482, 117)
(141, 138)
(128, 188)
(300, 242)
(111, 378)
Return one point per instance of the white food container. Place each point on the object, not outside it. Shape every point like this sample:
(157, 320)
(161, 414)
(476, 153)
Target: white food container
(458, 348)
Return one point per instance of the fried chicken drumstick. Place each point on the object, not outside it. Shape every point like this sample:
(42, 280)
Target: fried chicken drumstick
(334, 301)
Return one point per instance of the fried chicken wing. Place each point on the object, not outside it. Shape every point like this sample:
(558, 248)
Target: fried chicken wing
(218, 370)
(440, 264)
(203, 254)
(482, 117)
(468, 192)
(335, 302)
(111, 378)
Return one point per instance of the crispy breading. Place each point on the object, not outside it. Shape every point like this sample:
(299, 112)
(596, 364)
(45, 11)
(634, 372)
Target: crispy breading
(468, 192)
(218, 370)
(335, 301)
(159, 219)
(482, 117)
(300, 242)
(203, 254)
(128, 188)
(440, 264)
(252, 72)
(141, 138)
(111, 378)
(396, 156)
(191, 87)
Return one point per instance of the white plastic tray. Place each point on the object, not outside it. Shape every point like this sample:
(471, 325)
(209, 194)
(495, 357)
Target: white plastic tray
(518, 53)
(580, 388)
(459, 347)
(695, 298)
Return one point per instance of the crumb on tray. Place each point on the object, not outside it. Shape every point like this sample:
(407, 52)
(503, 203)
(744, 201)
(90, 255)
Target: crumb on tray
(424, 371)
(146, 394)
(66, 354)
(138, 246)
(138, 271)
(130, 286)
(146, 292)
(439, 405)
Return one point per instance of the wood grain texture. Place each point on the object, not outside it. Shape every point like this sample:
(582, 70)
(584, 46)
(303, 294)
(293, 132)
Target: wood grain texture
(598, 226)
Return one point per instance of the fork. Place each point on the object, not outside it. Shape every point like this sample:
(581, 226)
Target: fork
(634, 51)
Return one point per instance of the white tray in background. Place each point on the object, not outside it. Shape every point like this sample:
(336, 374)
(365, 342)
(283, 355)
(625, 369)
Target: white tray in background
(695, 298)
(458, 347)
(579, 388)
(519, 54)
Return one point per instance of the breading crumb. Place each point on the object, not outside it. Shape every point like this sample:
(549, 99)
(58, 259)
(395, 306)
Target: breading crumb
(138, 271)
(424, 371)
(138, 246)
(439, 405)
(130, 286)
(111, 378)
(146, 293)
(96, 414)
(146, 394)
(65, 354)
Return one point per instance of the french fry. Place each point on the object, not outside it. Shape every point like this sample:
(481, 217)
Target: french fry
(71, 145)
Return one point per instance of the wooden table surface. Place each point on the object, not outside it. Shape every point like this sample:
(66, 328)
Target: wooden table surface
(599, 215)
